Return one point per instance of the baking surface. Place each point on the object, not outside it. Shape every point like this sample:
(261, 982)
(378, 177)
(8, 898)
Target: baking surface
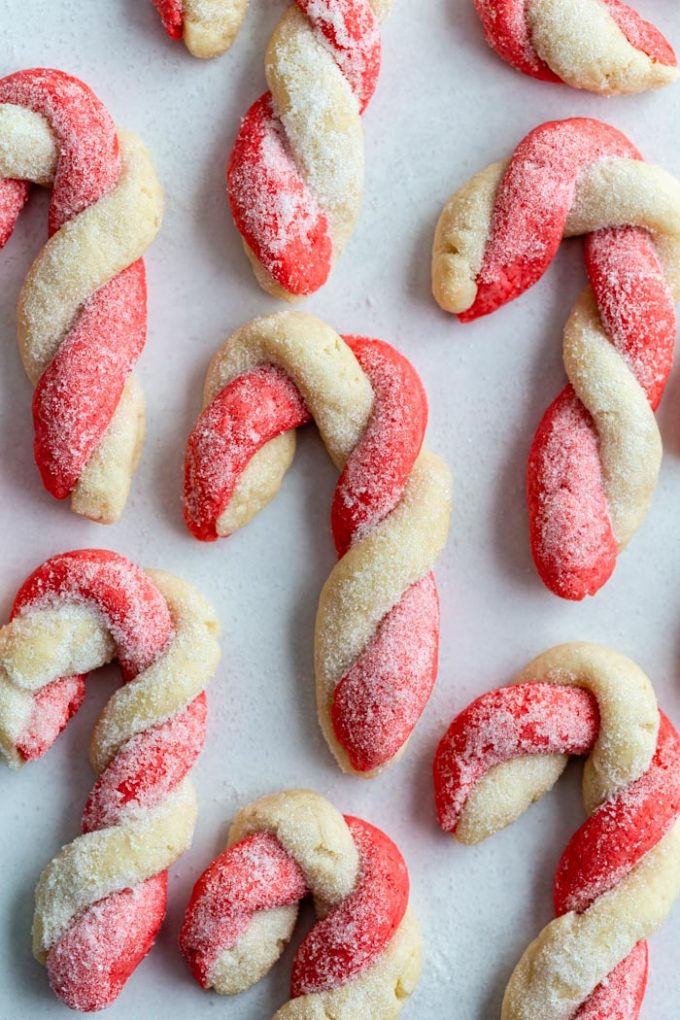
(445, 107)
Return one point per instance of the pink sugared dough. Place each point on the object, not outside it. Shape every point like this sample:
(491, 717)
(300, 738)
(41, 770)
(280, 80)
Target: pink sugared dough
(171, 13)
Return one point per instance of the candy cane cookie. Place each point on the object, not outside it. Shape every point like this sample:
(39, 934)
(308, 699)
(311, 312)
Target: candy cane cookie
(295, 174)
(596, 455)
(82, 308)
(600, 45)
(207, 27)
(377, 626)
(620, 873)
(362, 957)
(101, 900)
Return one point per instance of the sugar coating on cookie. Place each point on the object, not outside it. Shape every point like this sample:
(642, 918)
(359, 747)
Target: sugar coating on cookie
(600, 45)
(595, 458)
(100, 902)
(207, 27)
(377, 624)
(619, 875)
(82, 308)
(295, 174)
(361, 958)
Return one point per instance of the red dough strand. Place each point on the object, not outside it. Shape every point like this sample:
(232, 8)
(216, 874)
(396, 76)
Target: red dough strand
(642, 34)
(13, 197)
(276, 212)
(541, 719)
(246, 414)
(352, 937)
(258, 875)
(172, 15)
(507, 31)
(77, 395)
(105, 942)
(532, 204)
(381, 697)
(378, 468)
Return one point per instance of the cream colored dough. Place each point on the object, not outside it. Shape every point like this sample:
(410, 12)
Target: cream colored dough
(575, 952)
(580, 41)
(40, 645)
(322, 122)
(611, 192)
(315, 834)
(82, 256)
(210, 26)
(381, 565)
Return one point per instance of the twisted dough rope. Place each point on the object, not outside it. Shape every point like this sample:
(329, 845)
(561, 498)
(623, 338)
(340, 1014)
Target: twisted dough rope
(377, 626)
(600, 45)
(295, 174)
(207, 27)
(101, 900)
(82, 308)
(620, 873)
(362, 957)
(596, 455)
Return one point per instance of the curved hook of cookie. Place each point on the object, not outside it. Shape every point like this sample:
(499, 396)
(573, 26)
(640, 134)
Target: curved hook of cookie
(362, 957)
(600, 45)
(207, 27)
(620, 872)
(378, 618)
(595, 459)
(100, 902)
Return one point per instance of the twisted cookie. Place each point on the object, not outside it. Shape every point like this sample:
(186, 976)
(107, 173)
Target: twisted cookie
(596, 455)
(600, 45)
(620, 873)
(295, 175)
(208, 27)
(362, 957)
(82, 308)
(101, 900)
(377, 626)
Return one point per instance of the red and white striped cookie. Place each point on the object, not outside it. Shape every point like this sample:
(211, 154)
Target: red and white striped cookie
(600, 45)
(620, 873)
(361, 958)
(377, 627)
(596, 455)
(207, 27)
(82, 308)
(295, 174)
(101, 900)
